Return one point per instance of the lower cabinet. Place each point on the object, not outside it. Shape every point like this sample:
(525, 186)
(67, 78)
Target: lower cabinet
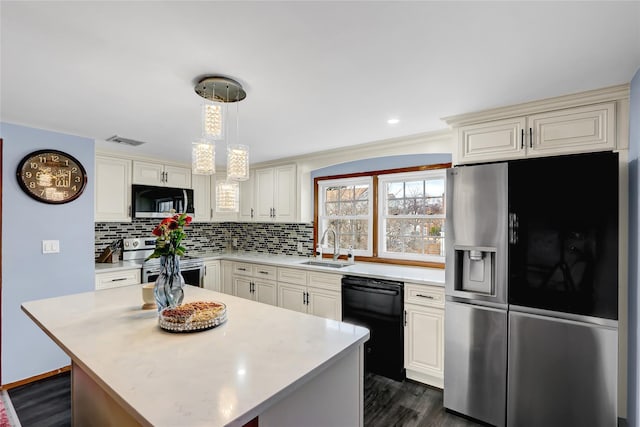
(310, 292)
(116, 279)
(255, 289)
(212, 275)
(255, 282)
(226, 277)
(424, 334)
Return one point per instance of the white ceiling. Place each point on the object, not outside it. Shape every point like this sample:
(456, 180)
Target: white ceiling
(318, 75)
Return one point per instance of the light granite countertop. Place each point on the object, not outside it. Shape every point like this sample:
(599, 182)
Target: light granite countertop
(223, 376)
(418, 275)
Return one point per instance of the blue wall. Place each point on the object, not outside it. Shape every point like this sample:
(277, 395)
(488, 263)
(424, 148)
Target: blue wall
(633, 397)
(27, 274)
(381, 163)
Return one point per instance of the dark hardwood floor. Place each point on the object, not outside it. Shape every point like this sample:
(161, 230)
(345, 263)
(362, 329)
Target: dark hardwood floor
(388, 403)
(45, 403)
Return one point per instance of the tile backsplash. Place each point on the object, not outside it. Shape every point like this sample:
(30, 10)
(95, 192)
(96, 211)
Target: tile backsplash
(280, 238)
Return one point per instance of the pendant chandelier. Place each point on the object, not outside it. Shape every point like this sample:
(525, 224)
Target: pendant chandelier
(217, 92)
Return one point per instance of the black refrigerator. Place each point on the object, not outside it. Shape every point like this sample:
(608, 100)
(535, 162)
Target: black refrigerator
(532, 291)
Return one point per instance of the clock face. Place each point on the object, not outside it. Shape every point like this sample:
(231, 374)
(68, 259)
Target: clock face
(51, 176)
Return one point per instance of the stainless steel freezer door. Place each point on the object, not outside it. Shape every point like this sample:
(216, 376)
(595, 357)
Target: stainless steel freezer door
(475, 363)
(561, 372)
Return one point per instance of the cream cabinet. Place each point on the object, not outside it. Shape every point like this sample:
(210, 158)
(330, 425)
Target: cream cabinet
(275, 194)
(212, 275)
(201, 185)
(424, 333)
(255, 282)
(571, 130)
(310, 292)
(226, 277)
(147, 173)
(247, 200)
(116, 279)
(112, 189)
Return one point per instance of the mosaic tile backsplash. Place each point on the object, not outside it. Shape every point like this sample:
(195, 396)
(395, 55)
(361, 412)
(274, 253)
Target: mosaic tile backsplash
(278, 238)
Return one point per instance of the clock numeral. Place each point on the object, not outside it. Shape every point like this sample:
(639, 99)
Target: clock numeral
(55, 158)
(32, 184)
(28, 174)
(34, 165)
(66, 162)
(74, 188)
(74, 170)
(42, 193)
(77, 179)
(43, 160)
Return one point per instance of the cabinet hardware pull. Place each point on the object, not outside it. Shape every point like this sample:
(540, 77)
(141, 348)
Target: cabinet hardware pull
(205, 270)
(251, 212)
(263, 272)
(119, 280)
(242, 269)
(211, 214)
(522, 140)
(405, 318)
(530, 137)
(424, 296)
(274, 212)
(129, 210)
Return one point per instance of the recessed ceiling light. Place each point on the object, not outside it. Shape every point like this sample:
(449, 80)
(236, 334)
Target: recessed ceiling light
(393, 121)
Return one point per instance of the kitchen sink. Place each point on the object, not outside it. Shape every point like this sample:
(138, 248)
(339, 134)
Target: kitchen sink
(326, 264)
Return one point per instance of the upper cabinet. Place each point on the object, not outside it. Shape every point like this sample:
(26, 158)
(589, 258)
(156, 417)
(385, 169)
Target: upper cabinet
(147, 173)
(247, 200)
(275, 194)
(566, 131)
(112, 189)
(201, 185)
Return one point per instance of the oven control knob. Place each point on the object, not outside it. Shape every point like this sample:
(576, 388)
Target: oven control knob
(135, 243)
(126, 244)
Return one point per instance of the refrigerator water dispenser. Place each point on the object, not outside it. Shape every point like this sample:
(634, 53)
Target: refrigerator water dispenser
(476, 271)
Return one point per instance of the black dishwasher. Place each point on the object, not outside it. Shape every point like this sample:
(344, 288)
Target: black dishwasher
(379, 306)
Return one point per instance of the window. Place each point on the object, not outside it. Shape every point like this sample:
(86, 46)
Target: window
(411, 215)
(345, 206)
(393, 215)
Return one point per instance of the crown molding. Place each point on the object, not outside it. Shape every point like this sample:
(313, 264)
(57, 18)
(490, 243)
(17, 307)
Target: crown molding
(607, 94)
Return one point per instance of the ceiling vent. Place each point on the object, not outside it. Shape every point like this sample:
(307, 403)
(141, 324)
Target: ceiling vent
(125, 141)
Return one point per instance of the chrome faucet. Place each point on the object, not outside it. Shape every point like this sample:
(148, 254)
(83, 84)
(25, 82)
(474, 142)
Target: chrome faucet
(336, 248)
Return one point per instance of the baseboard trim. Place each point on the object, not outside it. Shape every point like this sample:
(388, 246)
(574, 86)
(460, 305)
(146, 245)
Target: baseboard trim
(35, 378)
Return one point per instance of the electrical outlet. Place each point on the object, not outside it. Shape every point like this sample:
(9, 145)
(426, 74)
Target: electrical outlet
(50, 246)
(235, 243)
(300, 248)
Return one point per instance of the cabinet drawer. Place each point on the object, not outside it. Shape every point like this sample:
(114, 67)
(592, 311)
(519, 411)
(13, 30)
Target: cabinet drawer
(243, 268)
(325, 280)
(290, 275)
(117, 279)
(424, 295)
(265, 271)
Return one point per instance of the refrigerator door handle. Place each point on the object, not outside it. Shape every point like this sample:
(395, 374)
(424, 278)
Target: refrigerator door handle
(513, 228)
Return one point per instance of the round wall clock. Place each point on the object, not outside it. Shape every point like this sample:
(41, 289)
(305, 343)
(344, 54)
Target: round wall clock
(51, 176)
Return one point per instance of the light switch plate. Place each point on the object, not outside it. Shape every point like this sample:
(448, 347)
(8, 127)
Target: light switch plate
(50, 246)
(300, 248)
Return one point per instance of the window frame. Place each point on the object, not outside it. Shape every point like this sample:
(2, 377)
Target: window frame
(322, 216)
(374, 194)
(383, 179)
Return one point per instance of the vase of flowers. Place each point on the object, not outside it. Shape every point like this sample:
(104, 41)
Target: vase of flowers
(168, 289)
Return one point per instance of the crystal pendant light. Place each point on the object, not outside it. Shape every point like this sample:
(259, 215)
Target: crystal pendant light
(227, 196)
(203, 157)
(237, 156)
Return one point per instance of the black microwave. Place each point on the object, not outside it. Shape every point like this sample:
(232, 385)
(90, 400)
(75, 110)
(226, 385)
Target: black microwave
(149, 201)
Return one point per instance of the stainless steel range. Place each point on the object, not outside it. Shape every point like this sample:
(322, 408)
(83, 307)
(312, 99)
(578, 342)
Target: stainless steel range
(138, 250)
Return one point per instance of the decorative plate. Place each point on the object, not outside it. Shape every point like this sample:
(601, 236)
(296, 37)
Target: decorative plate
(193, 317)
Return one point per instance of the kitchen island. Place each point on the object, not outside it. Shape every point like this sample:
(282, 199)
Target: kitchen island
(287, 368)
